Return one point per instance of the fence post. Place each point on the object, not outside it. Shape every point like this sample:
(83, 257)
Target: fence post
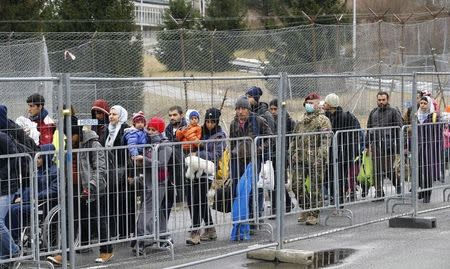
(281, 160)
(62, 174)
(68, 112)
(415, 148)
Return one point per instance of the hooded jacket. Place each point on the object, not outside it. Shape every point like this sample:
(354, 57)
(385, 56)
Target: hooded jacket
(100, 129)
(47, 177)
(92, 164)
(45, 125)
(25, 144)
(262, 110)
(212, 147)
(9, 181)
(132, 137)
(164, 157)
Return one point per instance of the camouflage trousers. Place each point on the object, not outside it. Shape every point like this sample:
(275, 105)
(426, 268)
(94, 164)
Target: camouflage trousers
(307, 185)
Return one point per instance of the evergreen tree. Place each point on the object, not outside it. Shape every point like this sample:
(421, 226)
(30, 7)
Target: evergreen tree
(225, 15)
(184, 45)
(15, 13)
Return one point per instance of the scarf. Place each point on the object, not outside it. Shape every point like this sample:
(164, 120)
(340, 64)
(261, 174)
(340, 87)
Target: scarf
(113, 130)
(423, 115)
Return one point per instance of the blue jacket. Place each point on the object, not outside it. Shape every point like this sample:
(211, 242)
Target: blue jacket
(47, 178)
(134, 136)
(212, 150)
(9, 174)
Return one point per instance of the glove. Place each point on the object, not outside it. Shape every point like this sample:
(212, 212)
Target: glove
(211, 194)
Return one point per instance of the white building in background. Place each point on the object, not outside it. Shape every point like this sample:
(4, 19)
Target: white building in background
(149, 13)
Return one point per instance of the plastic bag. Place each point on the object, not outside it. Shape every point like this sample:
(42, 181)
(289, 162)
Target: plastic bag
(266, 177)
(365, 175)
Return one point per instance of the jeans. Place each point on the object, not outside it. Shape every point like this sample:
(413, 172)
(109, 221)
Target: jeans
(8, 246)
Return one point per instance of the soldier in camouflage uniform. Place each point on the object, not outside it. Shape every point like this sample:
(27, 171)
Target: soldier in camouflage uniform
(309, 155)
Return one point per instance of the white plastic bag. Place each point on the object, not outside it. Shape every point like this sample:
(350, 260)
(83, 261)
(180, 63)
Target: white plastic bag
(266, 177)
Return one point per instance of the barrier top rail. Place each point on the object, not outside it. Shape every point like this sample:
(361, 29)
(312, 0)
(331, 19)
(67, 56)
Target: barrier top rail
(432, 73)
(131, 79)
(14, 79)
(348, 75)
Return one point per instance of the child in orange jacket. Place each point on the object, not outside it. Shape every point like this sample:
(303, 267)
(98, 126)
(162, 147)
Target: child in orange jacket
(192, 132)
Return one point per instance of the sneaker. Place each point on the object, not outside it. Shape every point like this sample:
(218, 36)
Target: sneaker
(311, 220)
(194, 239)
(302, 218)
(104, 257)
(209, 235)
(57, 259)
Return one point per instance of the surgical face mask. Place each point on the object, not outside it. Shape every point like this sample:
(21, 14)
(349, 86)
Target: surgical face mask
(309, 108)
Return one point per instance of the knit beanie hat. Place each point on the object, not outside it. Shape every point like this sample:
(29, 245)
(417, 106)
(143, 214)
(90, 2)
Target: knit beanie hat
(242, 102)
(332, 99)
(254, 92)
(157, 124)
(138, 117)
(194, 113)
(213, 114)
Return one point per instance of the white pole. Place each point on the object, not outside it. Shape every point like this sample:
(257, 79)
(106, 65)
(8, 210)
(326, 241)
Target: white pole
(354, 29)
(142, 15)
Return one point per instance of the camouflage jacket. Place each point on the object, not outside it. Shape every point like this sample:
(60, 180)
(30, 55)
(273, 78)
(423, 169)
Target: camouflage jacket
(307, 149)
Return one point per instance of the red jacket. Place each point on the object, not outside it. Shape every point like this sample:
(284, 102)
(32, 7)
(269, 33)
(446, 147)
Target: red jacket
(46, 126)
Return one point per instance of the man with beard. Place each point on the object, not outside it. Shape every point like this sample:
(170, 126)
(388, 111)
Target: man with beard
(384, 143)
(176, 163)
(176, 122)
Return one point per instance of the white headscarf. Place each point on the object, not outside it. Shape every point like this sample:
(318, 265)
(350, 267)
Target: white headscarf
(113, 130)
(423, 115)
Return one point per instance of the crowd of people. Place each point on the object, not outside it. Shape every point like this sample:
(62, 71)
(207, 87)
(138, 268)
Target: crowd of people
(109, 178)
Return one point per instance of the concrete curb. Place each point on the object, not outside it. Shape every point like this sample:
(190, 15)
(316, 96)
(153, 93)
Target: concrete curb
(413, 222)
(295, 256)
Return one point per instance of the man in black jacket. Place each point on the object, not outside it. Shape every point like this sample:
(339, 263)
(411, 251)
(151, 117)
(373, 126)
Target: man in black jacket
(384, 143)
(348, 143)
(260, 108)
(9, 184)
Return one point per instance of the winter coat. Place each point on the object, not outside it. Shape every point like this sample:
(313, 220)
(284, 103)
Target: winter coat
(47, 179)
(92, 164)
(100, 129)
(25, 144)
(311, 148)
(254, 126)
(119, 141)
(9, 174)
(348, 142)
(262, 110)
(430, 145)
(290, 123)
(189, 133)
(387, 140)
(164, 157)
(212, 150)
(45, 125)
(171, 136)
(134, 137)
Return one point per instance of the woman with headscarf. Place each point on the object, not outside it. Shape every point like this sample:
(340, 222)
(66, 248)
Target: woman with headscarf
(126, 194)
(430, 142)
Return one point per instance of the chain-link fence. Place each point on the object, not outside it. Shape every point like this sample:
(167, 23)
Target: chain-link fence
(381, 48)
